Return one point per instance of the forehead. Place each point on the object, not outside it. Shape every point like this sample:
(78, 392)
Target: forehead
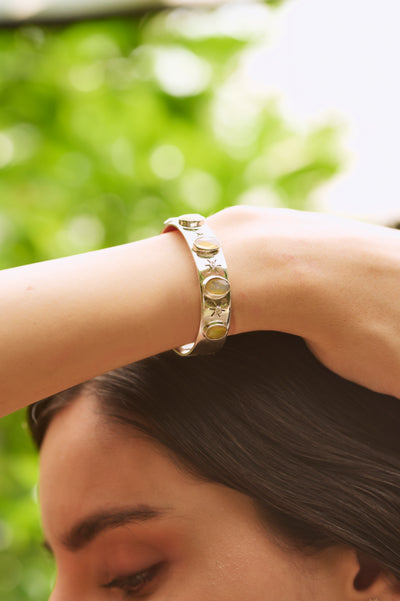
(87, 464)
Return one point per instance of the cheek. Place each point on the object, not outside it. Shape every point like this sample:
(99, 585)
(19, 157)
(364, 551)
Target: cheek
(234, 568)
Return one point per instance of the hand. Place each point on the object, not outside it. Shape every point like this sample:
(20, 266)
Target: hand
(333, 281)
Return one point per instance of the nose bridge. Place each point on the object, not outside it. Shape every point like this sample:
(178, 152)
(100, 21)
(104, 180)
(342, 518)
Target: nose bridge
(69, 583)
(55, 594)
(71, 587)
(60, 593)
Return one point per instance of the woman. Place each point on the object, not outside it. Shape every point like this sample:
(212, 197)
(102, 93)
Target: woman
(253, 474)
(209, 537)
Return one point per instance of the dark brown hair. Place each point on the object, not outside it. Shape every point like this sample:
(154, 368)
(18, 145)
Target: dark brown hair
(319, 455)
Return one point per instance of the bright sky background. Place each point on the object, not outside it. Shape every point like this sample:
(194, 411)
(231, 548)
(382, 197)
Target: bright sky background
(335, 58)
(341, 58)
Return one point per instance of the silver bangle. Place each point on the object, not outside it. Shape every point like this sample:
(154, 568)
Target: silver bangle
(214, 284)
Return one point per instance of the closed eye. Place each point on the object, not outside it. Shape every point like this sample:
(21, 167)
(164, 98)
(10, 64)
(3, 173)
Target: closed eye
(134, 585)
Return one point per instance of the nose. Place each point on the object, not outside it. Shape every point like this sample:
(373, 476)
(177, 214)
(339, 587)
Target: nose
(57, 595)
(53, 596)
(67, 590)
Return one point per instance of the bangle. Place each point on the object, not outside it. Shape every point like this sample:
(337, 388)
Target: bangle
(214, 284)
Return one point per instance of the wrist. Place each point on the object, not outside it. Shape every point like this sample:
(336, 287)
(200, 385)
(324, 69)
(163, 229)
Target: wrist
(266, 266)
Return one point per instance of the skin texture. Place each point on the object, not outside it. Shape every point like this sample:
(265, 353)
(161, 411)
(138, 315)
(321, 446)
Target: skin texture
(210, 542)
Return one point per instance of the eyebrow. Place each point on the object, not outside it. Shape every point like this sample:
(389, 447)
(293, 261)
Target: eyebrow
(87, 529)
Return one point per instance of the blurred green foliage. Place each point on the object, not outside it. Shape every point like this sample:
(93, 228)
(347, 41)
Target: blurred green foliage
(106, 129)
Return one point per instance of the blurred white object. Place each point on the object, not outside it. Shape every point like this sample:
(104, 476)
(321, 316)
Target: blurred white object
(60, 9)
(339, 59)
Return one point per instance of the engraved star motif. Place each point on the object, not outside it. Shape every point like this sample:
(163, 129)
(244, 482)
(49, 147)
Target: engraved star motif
(213, 265)
(216, 311)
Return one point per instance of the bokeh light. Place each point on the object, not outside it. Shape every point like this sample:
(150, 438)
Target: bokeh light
(167, 161)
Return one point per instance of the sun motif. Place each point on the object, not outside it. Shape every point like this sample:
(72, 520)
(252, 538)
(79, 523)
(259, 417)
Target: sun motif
(213, 265)
(216, 310)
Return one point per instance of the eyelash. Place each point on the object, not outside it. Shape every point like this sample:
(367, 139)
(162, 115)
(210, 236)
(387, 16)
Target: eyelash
(132, 584)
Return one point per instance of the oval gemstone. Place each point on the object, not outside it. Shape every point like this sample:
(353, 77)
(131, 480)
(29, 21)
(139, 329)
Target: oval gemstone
(215, 331)
(191, 220)
(206, 246)
(216, 287)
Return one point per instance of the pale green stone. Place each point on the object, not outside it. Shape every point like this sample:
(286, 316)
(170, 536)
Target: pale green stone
(191, 220)
(216, 287)
(206, 246)
(216, 331)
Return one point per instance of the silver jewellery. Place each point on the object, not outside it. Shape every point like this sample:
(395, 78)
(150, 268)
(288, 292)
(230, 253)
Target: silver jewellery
(214, 284)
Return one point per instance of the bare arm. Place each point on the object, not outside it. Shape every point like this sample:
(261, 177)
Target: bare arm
(67, 320)
(334, 282)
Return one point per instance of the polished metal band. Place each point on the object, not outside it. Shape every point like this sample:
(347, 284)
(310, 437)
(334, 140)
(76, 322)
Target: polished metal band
(214, 284)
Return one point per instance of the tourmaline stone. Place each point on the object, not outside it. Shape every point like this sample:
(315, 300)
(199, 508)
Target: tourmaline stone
(206, 246)
(191, 220)
(215, 331)
(216, 287)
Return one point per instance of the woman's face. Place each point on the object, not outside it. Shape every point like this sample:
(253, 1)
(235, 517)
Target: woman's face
(124, 523)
